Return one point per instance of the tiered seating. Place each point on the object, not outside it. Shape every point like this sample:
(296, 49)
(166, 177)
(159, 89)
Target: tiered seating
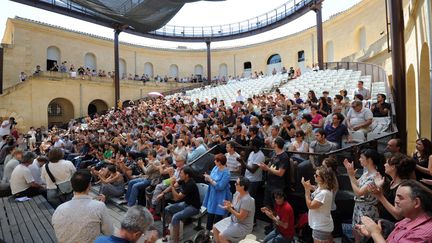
(249, 87)
(328, 80)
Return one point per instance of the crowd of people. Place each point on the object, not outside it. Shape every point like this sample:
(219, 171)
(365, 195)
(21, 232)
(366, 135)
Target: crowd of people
(150, 148)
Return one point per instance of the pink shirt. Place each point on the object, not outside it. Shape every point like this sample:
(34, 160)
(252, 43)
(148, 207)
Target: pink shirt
(315, 120)
(417, 230)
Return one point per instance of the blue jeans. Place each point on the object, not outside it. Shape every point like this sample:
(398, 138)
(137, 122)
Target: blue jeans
(134, 187)
(180, 211)
(275, 237)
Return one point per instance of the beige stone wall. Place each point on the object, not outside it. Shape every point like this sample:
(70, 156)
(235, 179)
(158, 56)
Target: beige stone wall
(30, 41)
(28, 101)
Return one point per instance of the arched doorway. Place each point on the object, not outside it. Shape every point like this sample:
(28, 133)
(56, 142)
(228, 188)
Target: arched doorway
(174, 71)
(424, 93)
(274, 62)
(97, 106)
(60, 111)
(122, 68)
(148, 69)
(90, 61)
(53, 57)
(247, 69)
(198, 71)
(223, 71)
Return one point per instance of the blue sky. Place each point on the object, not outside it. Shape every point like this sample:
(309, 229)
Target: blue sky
(193, 14)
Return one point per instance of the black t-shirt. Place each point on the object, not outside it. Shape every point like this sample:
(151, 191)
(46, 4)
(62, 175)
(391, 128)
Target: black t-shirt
(378, 110)
(278, 161)
(190, 190)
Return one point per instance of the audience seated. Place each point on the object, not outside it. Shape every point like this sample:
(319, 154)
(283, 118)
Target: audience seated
(21, 182)
(54, 173)
(187, 201)
(147, 145)
(134, 225)
(83, 218)
(10, 165)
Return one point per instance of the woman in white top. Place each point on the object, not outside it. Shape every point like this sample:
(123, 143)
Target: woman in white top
(320, 203)
(299, 145)
(62, 171)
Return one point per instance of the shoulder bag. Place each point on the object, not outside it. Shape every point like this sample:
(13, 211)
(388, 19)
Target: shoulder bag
(63, 188)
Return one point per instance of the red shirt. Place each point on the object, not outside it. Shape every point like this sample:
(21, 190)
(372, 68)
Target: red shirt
(417, 230)
(286, 215)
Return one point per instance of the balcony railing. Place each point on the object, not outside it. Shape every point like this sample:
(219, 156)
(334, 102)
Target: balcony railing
(377, 74)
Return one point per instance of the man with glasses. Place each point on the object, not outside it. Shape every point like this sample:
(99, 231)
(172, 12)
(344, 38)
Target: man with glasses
(295, 114)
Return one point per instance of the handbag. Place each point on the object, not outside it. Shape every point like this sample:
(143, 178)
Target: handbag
(63, 188)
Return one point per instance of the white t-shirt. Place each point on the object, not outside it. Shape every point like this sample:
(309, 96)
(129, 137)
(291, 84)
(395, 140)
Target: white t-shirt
(255, 159)
(320, 218)
(5, 128)
(62, 171)
(233, 164)
(20, 179)
(357, 118)
(8, 170)
(36, 172)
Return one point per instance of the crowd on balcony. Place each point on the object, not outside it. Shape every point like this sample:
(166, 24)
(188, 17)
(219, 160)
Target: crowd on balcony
(151, 147)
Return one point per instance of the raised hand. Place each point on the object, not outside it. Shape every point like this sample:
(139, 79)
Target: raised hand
(350, 167)
(306, 184)
(379, 180)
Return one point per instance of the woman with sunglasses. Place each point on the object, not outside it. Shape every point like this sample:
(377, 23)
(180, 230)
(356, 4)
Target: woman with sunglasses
(320, 203)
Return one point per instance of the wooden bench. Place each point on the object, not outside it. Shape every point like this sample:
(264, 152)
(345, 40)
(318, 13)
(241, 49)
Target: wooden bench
(28, 221)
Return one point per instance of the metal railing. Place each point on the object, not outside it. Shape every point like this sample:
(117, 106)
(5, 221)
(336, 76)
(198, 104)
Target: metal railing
(377, 73)
(269, 20)
(244, 26)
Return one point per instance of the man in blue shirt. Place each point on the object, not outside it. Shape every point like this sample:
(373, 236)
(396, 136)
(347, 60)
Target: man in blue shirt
(336, 130)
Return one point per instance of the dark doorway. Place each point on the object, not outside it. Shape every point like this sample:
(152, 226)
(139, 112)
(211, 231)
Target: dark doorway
(50, 64)
(91, 110)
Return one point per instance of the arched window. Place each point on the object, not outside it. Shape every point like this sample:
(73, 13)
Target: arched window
(90, 61)
(198, 70)
(330, 51)
(174, 70)
(362, 38)
(223, 71)
(53, 58)
(54, 109)
(273, 59)
(148, 69)
(60, 111)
